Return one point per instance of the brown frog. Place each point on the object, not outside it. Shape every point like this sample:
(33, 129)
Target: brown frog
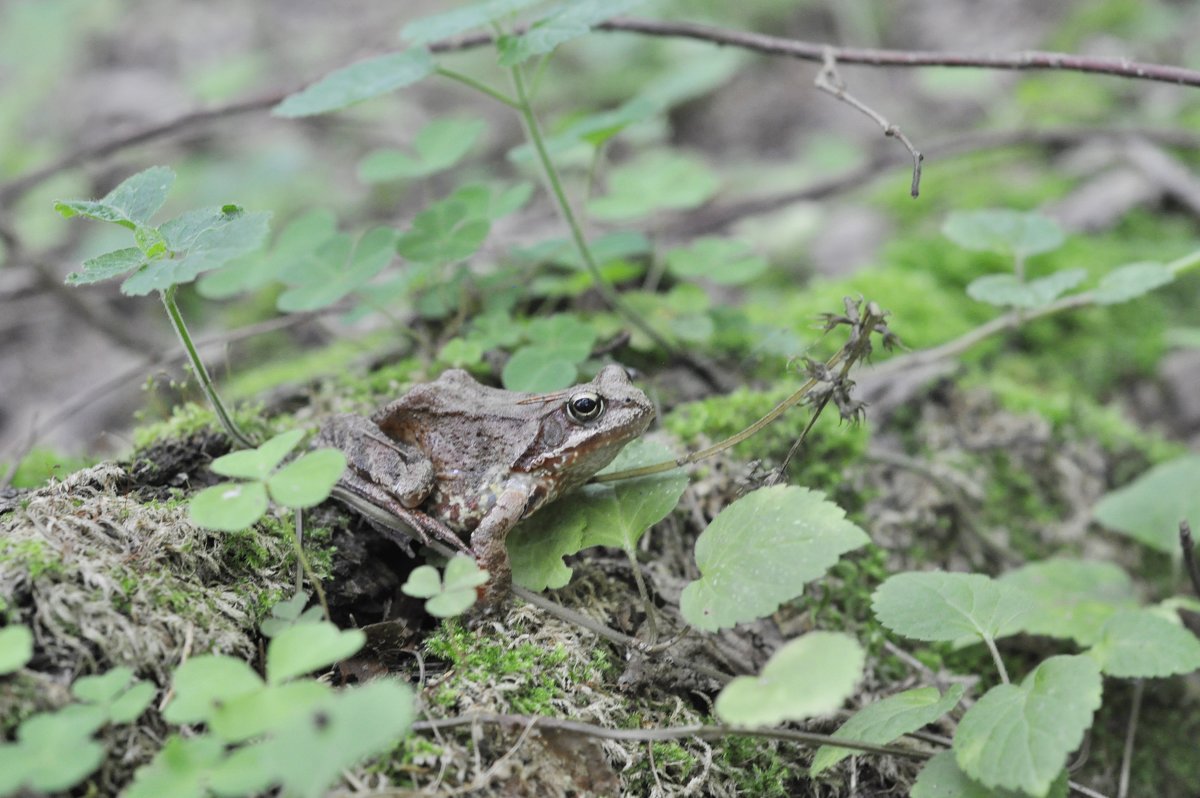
(454, 457)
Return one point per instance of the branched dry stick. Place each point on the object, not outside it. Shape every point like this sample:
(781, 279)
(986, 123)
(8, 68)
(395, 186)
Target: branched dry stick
(830, 81)
(1189, 554)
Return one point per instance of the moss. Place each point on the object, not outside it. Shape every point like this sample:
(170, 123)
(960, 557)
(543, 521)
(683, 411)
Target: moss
(33, 555)
(190, 418)
(306, 365)
(43, 463)
(757, 767)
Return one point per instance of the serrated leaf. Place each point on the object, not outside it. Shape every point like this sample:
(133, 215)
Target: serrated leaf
(566, 21)
(357, 82)
(438, 146)
(1131, 281)
(1150, 508)
(258, 463)
(1073, 598)
(307, 480)
(1005, 290)
(724, 261)
(16, 648)
(204, 683)
(1004, 231)
(810, 676)
(886, 720)
(336, 269)
(653, 182)
(103, 687)
(460, 20)
(943, 778)
(308, 647)
(936, 605)
(760, 550)
(107, 266)
(179, 770)
(271, 708)
(538, 369)
(130, 204)
(1140, 644)
(199, 241)
(1018, 736)
(424, 581)
(229, 506)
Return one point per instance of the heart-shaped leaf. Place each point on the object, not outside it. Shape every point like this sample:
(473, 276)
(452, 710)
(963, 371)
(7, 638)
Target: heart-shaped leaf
(936, 605)
(204, 683)
(1140, 644)
(16, 648)
(258, 463)
(1150, 508)
(307, 480)
(308, 647)
(230, 506)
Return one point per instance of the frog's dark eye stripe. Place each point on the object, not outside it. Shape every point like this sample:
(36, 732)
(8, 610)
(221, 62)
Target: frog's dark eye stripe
(585, 406)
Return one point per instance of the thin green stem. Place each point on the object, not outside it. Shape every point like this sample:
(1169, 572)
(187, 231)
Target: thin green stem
(991, 644)
(298, 544)
(610, 296)
(647, 604)
(467, 80)
(206, 383)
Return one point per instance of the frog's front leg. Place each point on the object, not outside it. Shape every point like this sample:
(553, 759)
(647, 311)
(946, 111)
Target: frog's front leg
(489, 538)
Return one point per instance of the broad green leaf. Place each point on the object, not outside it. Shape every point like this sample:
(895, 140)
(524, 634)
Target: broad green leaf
(653, 182)
(1004, 231)
(1072, 598)
(942, 778)
(58, 749)
(258, 463)
(359, 81)
(106, 266)
(760, 550)
(445, 232)
(812, 675)
(308, 647)
(150, 242)
(130, 204)
(538, 369)
(16, 648)
(269, 709)
(179, 770)
(204, 683)
(564, 334)
(424, 581)
(461, 352)
(103, 687)
(568, 20)
(1141, 644)
(1018, 736)
(199, 241)
(307, 480)
(295, 246)
(230, 506)
(537, 545)
(1005, 290)
(1131, 281)
(457, 594)
(289, 613)
(129, 706)
(12, 768)
(935, 605)
(1150, 508)
(460, 20)
(724, 261)
(887, 720)
(337, 269)
(440, 144)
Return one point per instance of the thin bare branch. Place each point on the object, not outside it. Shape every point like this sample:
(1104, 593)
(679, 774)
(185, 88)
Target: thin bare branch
(1139, 686)
(1189, 554)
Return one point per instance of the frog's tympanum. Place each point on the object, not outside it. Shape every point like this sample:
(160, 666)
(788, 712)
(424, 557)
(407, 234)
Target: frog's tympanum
(453, 457)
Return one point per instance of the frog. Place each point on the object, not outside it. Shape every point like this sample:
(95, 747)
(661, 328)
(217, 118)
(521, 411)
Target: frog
(463, 462)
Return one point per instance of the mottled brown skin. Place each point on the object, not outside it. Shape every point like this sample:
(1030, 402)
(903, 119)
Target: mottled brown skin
(454, 457)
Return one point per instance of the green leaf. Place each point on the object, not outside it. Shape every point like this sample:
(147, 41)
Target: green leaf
(16, 648)
(202, 684)
(230, 506)
(566, 21)
(440, 145)
(457, 591)
(1131, 281)
(359, 81)
(760, 550)
(102, 688)
(810, 676)
(1018, 736)
(1005, 290)
(336, 269)
(461, 352)
(107, 266)
(289, 613)
(12, 768)
(424, 581)
(307, 480)
(129, 706)
(57, 748)
(445, 232)
(936, 605)
(258, 463)
(537, 545)
(724, 261)
(1140, 644)
(199, 241)
(295, 246)
(654, 182)
(564, 334)
(179, 770)
(1150, 508)
(1004, 231)
(130, 204)
(1072, 598)
(308, 647)
(593, 130)
(887, 720)
(538, 369)
(460, 20)
(269, 709)
(942, 778)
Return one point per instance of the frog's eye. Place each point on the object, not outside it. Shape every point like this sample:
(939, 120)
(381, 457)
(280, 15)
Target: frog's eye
(585, 406)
